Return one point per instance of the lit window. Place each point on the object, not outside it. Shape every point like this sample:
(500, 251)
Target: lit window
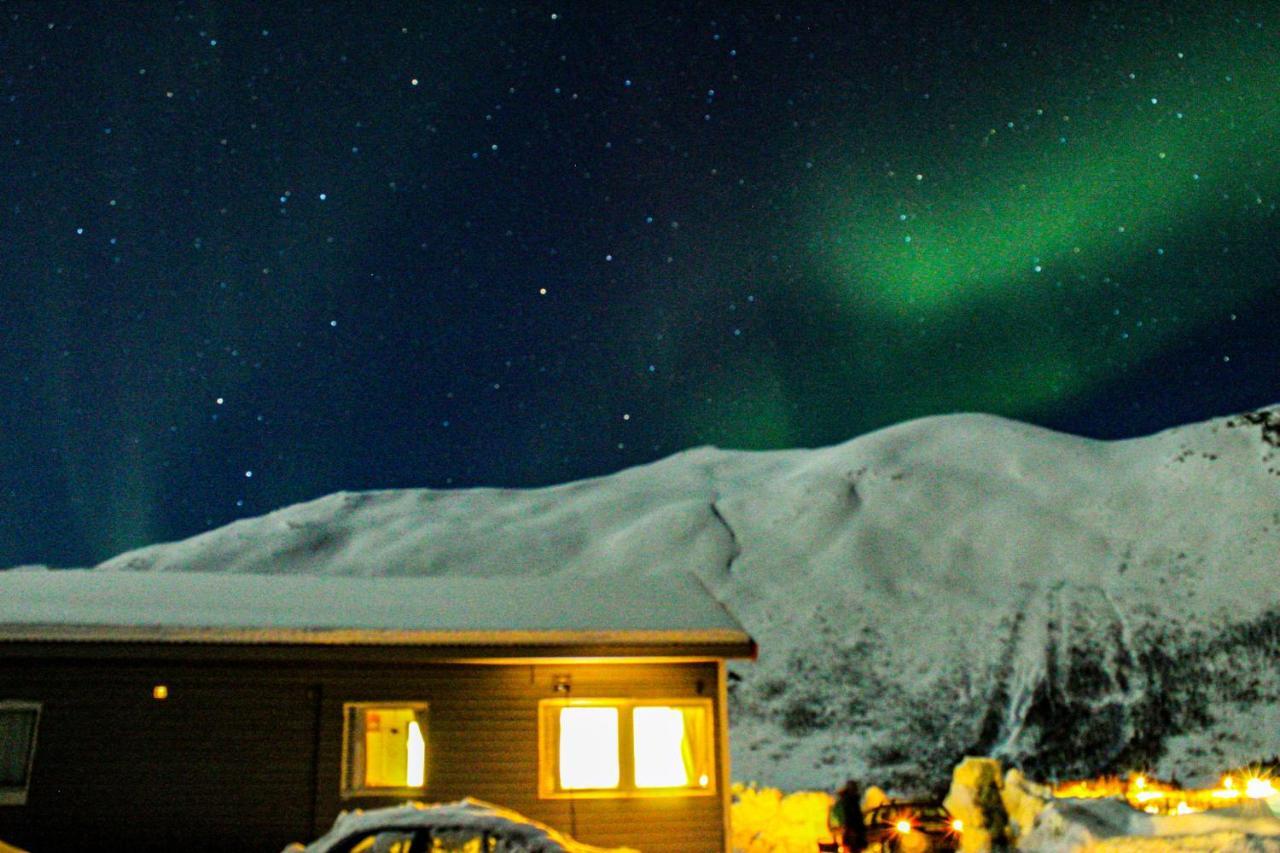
(667, 742)
(385, 748)
(588, 748)
(625, 748)
(18, 722)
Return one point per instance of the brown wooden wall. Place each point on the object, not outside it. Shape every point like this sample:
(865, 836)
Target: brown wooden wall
(247, 755)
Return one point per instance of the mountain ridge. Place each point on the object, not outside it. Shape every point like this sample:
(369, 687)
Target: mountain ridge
(962, 583)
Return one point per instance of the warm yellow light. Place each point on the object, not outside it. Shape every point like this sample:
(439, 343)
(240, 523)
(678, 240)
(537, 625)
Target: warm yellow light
(395, 749)
(958, 825)
(1256, 788)
(660, 747)
(903, 827)
(416, 746)
(160, 691)
(589, 748)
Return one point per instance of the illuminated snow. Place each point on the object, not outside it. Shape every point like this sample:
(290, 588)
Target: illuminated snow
(903, 587)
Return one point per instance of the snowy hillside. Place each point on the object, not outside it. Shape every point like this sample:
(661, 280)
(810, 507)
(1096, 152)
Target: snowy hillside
(960, 584)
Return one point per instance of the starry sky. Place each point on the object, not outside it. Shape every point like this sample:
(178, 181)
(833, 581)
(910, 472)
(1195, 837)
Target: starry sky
(253, 253)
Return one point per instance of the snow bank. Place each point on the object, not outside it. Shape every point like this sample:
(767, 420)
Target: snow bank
(1093, 826)
(766, 820)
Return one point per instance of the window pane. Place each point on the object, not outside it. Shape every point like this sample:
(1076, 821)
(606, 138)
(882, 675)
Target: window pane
(669, 747)
(386, 747)
(394, 750)
(589, 748)
(17, 729)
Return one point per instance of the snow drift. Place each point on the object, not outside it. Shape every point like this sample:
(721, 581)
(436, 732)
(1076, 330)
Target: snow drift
(1110, 826)
(949, 586)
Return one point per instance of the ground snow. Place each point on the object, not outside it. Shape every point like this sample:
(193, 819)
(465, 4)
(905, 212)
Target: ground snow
(1094, 826)
(953, 585)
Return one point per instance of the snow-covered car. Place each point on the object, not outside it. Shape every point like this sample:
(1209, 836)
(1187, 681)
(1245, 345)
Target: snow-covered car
(465, 825)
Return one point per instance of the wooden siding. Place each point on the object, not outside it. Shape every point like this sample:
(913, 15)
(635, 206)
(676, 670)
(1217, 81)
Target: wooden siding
(247, 755)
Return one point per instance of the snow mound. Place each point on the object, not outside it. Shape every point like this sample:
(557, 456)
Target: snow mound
(958, 585)
(1094, 826)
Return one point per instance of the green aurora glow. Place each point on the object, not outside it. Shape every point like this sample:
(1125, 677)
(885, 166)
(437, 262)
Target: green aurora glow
(996, 279)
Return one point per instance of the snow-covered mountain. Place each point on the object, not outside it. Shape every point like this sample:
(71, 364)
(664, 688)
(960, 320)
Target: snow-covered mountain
(959, 584)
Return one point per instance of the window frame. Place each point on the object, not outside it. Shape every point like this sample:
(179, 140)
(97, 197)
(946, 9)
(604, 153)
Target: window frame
(348, 788)
(549, 746)
(16, 795)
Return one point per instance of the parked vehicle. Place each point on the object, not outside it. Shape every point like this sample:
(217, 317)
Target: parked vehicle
(467, 825)
(902, 826)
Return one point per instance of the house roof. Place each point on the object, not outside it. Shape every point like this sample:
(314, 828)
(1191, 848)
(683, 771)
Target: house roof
(674, 614)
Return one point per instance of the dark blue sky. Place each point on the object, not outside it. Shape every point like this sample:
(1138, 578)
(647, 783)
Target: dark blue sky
(254, 253)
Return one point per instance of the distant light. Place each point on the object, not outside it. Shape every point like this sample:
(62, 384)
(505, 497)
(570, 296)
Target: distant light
(413, 82)
(903, 827)
(1257, 789)
(160, 692)
(957, 825)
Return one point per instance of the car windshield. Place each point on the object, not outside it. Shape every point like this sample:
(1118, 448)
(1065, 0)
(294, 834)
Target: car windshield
(917, 812)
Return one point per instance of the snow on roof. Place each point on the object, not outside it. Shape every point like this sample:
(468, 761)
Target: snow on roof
(174, 607)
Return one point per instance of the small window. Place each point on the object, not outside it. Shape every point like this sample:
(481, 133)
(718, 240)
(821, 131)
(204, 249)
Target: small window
(18, 722)
(625, 748)
(384, 748)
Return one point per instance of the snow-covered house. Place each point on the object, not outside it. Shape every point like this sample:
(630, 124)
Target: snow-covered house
(202, 711)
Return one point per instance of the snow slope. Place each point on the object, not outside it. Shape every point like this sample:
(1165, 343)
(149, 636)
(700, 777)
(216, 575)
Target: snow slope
(959, 584)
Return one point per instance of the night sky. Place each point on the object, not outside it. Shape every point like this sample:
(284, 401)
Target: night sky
(252, 254)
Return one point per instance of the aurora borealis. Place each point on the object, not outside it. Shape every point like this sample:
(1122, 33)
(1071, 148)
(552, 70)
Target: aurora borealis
(252, 254)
